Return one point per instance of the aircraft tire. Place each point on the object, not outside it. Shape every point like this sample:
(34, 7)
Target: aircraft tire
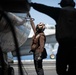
(52, 56)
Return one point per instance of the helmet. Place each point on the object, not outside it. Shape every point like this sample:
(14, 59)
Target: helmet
(40, 27)
(64, 3)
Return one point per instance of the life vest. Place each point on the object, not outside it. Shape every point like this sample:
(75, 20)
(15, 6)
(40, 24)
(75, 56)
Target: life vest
(35, 41)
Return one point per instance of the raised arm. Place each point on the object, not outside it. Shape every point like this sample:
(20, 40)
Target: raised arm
(31, 21)
(33, 25)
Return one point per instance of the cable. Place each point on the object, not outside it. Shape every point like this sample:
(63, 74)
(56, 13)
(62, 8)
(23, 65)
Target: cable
(15, 40)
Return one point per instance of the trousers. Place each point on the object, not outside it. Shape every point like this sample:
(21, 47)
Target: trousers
(65, 58)
(38, 63)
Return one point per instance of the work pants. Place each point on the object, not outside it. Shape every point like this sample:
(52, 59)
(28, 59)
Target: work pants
(38, 67)
(66, 58)
(38, 63)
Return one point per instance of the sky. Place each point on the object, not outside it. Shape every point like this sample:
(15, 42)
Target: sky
(40, 17)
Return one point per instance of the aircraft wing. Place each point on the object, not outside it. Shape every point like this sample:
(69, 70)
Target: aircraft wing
(25, 48)
(51, 39)
(17, 6)
(22, 30)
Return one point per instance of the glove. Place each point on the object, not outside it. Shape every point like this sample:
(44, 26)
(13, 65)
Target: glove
(38, 56)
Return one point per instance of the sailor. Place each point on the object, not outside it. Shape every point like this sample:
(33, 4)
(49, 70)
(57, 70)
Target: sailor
(37, 47)
(65, 19)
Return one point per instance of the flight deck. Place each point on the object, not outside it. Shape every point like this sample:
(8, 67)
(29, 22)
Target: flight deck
(28, 67)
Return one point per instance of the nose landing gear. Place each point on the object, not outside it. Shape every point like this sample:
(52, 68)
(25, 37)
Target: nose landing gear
(10, 71)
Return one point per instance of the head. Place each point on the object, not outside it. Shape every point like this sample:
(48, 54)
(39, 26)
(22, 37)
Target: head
(40, 27)
(65, 3)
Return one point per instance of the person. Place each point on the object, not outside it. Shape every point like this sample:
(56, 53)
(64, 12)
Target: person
(65, 18)
(38, 46)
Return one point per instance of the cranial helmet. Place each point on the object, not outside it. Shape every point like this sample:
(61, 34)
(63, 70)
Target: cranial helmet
(40, 27)
(64, 3)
